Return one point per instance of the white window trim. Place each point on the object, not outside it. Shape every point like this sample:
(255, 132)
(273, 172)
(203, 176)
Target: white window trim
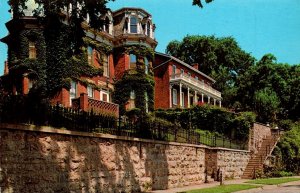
(106, 93)
(174, 97)
(108, 74)
(90, 89)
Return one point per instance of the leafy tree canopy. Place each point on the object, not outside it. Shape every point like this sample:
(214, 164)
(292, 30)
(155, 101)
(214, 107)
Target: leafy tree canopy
(220, 58)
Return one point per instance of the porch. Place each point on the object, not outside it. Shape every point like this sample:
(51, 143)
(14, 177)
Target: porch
(186, 91)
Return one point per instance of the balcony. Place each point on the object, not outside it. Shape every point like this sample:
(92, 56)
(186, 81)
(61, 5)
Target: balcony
(195, 84)
(100, 107)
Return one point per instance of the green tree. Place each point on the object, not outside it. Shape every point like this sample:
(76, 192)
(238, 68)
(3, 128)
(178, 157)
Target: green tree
(280, 79)
(221, 58)
(266, 105)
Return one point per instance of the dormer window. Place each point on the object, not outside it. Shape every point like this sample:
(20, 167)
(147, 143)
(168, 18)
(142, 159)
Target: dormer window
(133, 24)
(32, 50)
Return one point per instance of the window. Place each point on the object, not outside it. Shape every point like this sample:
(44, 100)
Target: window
(131, 100)
(132, 64)
(189, 74)
(148, 28)
(174, 96)
(105, 60)
(73, 91)
(174, 70)
(146, 65)
(32, 50)
(182, 96)
(133, 24)
(132, 94)
(104, 96)
(90, 55)
(90, 91)
(196, 78)
(30, 84)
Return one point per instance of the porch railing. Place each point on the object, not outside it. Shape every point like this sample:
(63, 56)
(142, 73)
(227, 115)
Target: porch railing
(199, 84)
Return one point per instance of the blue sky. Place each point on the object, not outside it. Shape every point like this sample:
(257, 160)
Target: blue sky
(259, 26)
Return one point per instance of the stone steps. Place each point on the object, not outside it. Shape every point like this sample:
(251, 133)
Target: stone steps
(256, 162)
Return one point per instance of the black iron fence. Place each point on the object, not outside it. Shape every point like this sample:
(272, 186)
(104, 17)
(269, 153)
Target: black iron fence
(77, 120)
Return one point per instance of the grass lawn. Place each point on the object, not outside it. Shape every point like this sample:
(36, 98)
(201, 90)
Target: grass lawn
(224, 188)
(272, 181)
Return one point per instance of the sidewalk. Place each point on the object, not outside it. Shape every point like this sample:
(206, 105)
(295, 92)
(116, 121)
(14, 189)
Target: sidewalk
(200, 186)
(271, 188)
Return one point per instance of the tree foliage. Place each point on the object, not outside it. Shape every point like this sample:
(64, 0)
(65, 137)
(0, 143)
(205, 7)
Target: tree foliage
(220, 58)
(266, 87)
(200, 2)
(275, 84)
(288, 150)
(61, 53)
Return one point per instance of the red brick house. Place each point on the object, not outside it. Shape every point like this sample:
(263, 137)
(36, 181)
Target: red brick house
(125, 28)
(173, 76)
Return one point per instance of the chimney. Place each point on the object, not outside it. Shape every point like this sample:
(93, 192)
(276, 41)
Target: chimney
(5, 67)
(196, 66)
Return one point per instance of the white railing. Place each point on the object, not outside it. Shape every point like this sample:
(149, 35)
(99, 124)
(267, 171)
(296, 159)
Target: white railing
(199, 84)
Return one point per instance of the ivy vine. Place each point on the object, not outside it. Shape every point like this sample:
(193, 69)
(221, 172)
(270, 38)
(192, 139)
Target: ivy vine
(99, 46)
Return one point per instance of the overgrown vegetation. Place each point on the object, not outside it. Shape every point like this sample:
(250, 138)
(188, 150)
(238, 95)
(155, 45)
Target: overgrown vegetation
(211, 118)
(288, 150)
(137, 81)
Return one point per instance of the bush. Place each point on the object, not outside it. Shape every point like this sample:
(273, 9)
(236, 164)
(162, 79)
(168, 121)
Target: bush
(211, 118)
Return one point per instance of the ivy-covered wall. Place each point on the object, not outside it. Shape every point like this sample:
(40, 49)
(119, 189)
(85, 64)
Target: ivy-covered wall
(136, 80)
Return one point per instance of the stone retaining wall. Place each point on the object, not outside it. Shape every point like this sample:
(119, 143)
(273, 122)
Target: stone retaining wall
(231, 162)
(257, 134)
(49, 160)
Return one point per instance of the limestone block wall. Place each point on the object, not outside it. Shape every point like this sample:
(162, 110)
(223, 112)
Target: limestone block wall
(231, 162)
(49, 160)
(258, 133)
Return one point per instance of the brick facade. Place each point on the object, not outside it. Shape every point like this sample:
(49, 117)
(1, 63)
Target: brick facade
(170, 73)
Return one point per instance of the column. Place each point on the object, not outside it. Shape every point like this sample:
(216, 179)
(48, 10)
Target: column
(202, 98)
(208, 102)
(188, 95)
(180, 95)
(214, 102)
(195, 98)
(170, 96)
(220, 103)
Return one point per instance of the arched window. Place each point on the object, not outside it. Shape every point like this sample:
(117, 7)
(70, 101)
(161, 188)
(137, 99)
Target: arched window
(148, 28)
(133, 24)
